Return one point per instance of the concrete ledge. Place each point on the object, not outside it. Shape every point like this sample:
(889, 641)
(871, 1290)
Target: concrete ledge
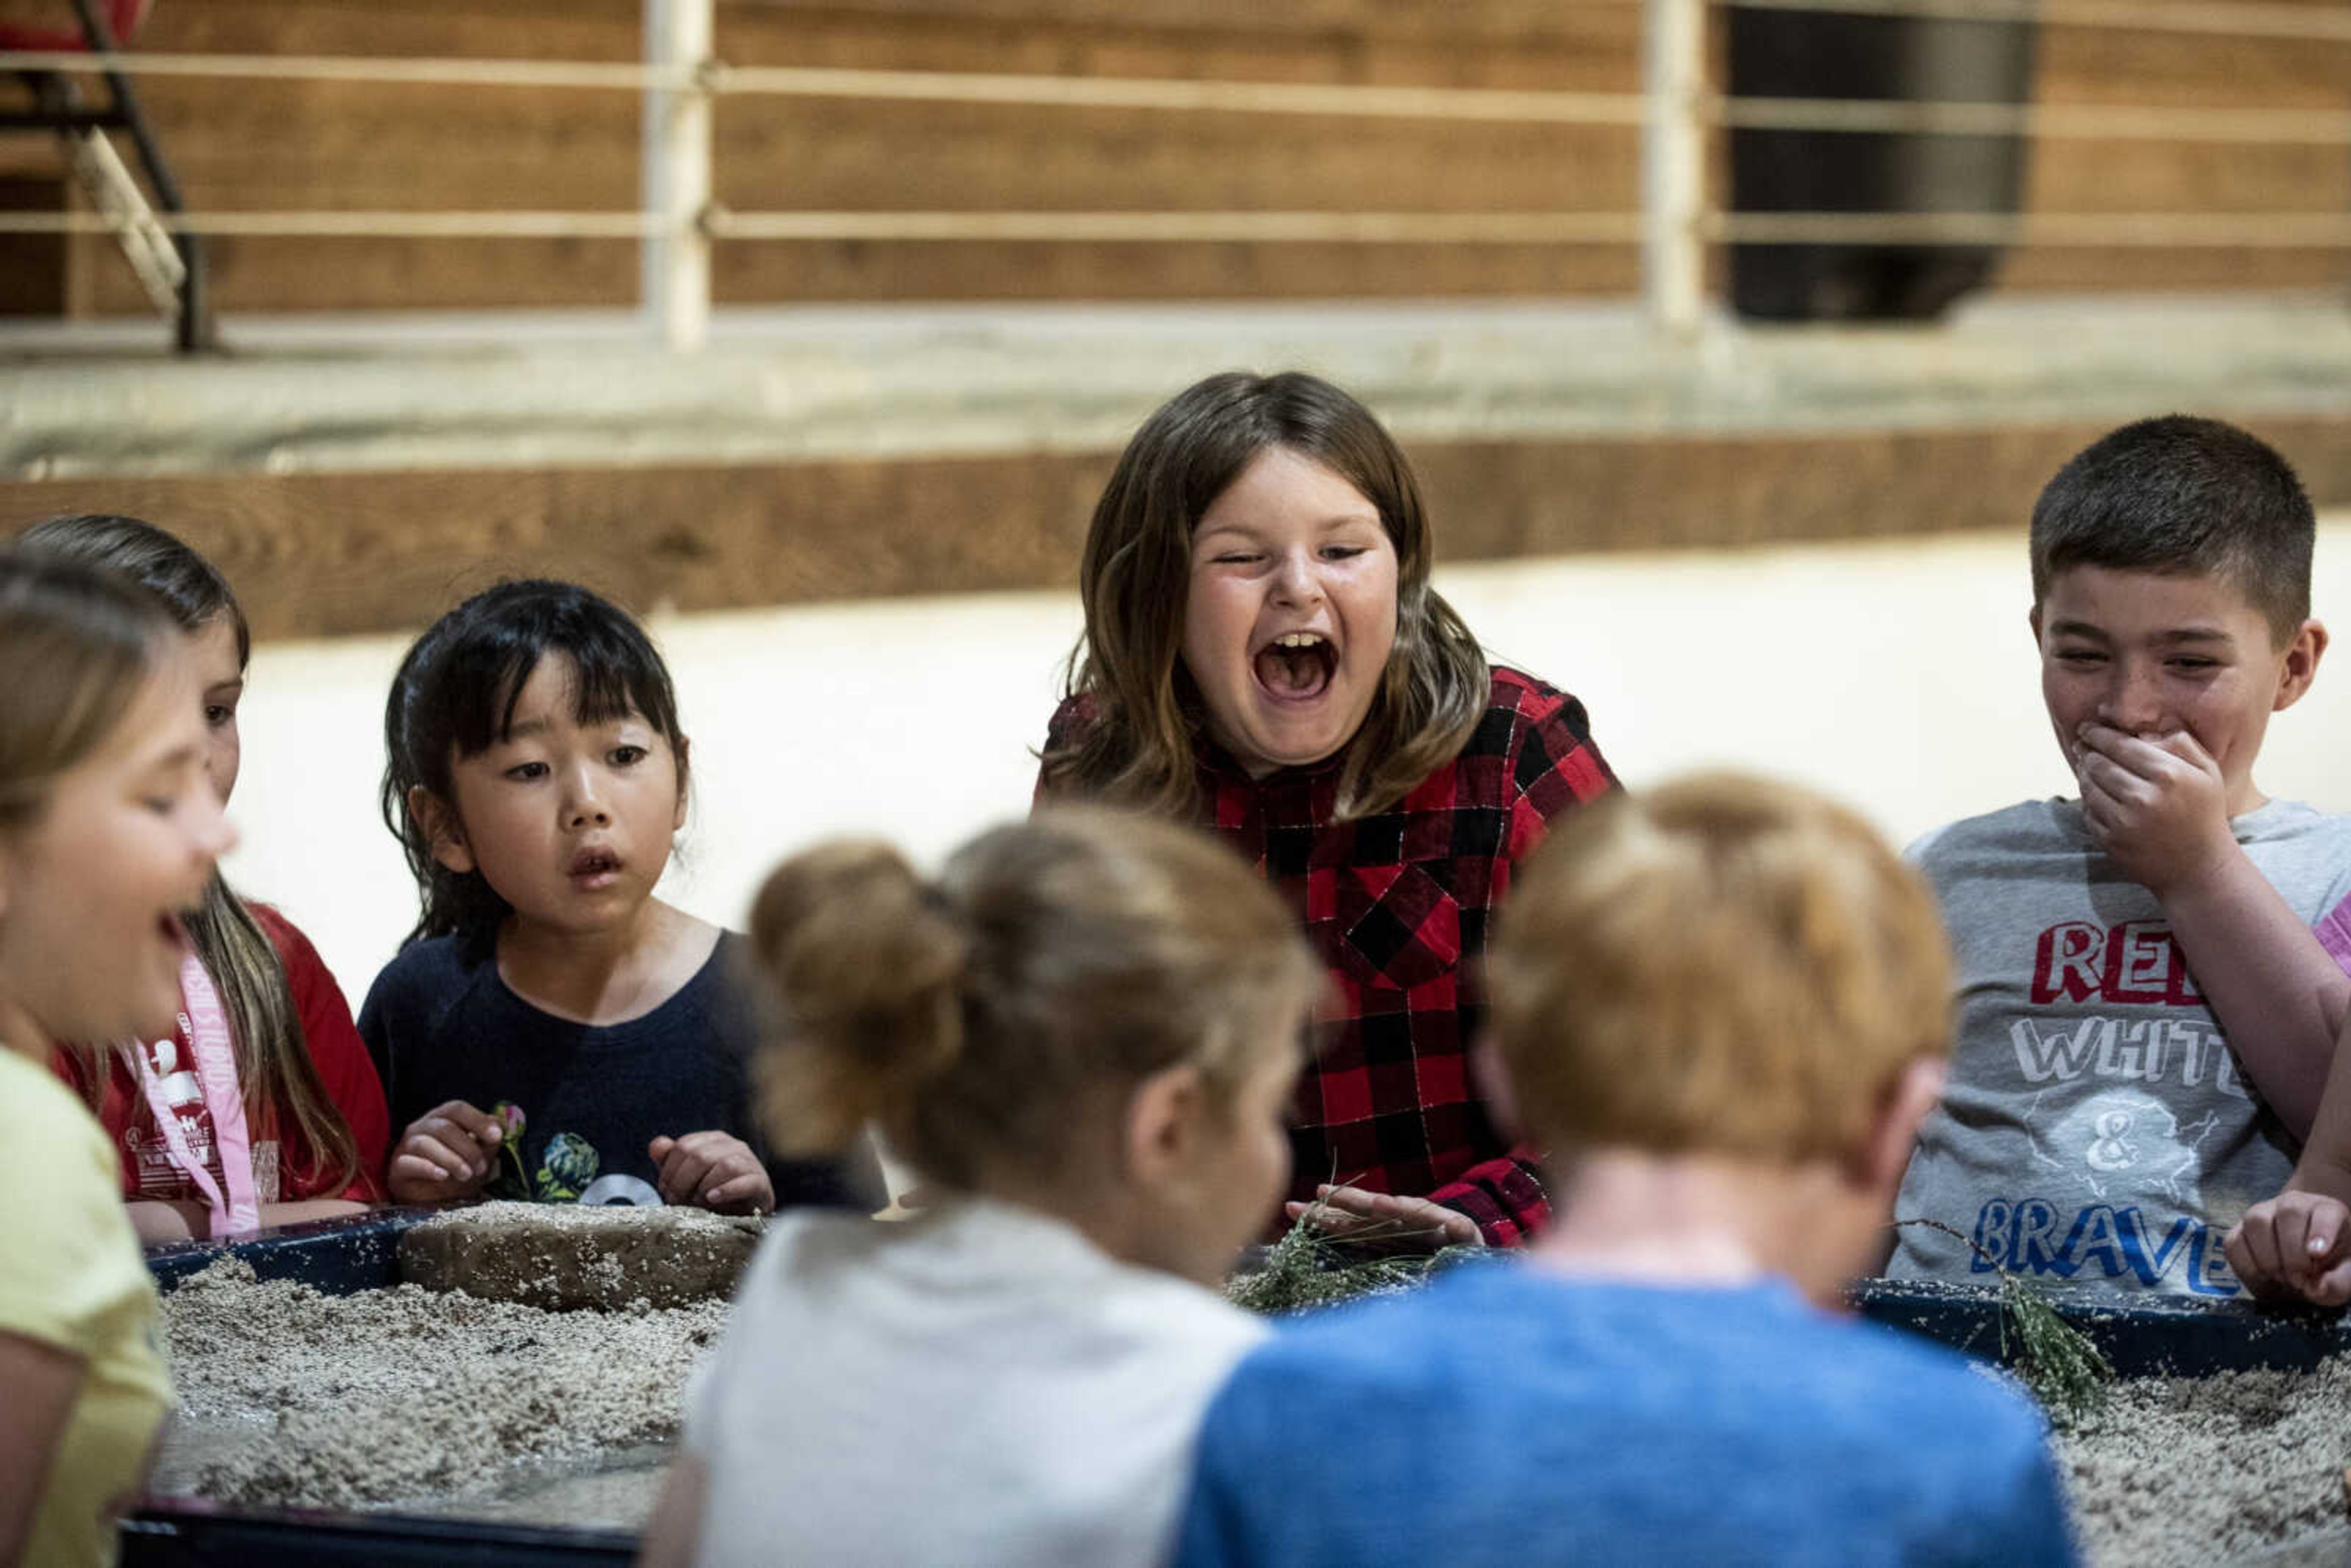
(518, 390)
(352, 477)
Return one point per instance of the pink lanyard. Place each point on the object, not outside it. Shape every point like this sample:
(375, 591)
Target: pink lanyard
(216, 1054)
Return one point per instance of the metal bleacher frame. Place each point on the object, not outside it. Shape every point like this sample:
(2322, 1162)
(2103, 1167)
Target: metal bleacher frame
(59, 109)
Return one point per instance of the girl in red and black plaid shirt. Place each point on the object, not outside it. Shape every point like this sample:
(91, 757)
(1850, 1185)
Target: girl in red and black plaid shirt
(1263, 654)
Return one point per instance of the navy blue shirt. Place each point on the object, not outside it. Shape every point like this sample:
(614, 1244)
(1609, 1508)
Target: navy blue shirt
(1508, 1416)
(442, 1025)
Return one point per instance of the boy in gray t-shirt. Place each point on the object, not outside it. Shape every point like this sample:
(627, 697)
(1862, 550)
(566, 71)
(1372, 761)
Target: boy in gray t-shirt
(2099, 1126)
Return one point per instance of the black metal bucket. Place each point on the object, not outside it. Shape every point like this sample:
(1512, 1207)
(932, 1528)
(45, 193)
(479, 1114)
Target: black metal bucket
(1820, 55)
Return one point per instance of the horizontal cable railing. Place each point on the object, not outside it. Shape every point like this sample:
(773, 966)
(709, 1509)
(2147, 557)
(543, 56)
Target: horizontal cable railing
(1674, 114)
(2102, 231)
(1476, 105)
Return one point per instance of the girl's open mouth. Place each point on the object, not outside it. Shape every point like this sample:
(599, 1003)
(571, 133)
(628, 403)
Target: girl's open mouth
(594, 867)
(1297, 666)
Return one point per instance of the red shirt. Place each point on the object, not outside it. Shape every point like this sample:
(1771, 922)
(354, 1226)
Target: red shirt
(1396, 906)
(285, 1169)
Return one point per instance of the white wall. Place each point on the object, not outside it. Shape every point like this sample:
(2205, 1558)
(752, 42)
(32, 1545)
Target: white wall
(1900, 676)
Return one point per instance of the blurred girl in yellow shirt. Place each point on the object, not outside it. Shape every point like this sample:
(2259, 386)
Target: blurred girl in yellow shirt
(108, 834)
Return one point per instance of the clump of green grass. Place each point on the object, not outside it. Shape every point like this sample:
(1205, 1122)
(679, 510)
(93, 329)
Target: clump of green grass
(2063, 1368)
(1309, 1269)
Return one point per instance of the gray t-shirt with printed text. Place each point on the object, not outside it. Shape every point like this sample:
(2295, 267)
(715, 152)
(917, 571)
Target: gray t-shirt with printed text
(2097, 1129)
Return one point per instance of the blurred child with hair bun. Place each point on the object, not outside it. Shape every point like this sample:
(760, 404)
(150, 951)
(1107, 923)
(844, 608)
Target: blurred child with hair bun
(1082, 1034)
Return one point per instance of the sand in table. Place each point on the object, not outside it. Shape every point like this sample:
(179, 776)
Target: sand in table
(293, 1397)
(2239, 1466)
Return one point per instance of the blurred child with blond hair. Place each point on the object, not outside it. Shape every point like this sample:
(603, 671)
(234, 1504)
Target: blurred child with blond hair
(1722, 1006)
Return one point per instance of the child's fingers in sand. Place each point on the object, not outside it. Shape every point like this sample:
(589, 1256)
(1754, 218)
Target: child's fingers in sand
(456, 1137)
(444, 1155)
(2313, 1235)
(2251, 1249)
(2296, 1241)
(425, 1157)
(2290, 1239)
(682, 1165)
(2332, 1288)
(463, 1129)
(420, 1172)
(748, 1193)
(699, 1167)
(418, 1178)
(478, 1124)
(736, 1181)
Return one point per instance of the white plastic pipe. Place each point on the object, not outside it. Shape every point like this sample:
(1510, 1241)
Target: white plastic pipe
(1673, 163)
(678, 33)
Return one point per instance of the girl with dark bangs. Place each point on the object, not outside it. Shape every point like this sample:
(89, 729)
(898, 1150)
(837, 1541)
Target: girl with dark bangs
(552, 1030)
(1263, 654)
(289, 1122)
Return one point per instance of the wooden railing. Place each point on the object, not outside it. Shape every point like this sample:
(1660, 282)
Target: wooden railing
(1677, 110)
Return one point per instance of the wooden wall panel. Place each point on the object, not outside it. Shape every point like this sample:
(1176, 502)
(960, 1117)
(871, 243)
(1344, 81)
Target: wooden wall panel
(316, 555)
(2110, 65)
(249, 145)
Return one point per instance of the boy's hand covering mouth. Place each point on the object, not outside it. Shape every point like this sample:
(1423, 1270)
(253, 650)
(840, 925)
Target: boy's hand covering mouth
(2159, 806)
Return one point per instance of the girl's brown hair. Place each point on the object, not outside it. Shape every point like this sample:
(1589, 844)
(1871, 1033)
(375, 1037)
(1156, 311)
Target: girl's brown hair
(281, 1082)
(970, 1018)
(93, 641)
(1137, 569)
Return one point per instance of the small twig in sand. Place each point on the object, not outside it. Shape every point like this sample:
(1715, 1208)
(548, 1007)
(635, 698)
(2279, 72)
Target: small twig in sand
(2066, 1372)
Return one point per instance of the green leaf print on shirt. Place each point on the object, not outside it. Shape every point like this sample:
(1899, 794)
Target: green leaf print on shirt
(565, 1170)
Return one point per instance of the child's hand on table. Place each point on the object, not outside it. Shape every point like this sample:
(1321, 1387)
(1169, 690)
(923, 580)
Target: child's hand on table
(2297, 1243)
(1397, 1224)
(2159, 806)
(444, 1156)
(713, 1171)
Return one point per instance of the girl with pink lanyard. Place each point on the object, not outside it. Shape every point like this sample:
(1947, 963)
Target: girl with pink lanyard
(260, 1107)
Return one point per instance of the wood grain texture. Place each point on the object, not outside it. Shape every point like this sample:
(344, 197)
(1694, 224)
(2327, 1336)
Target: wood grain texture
(319, 555)
(295, 145)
